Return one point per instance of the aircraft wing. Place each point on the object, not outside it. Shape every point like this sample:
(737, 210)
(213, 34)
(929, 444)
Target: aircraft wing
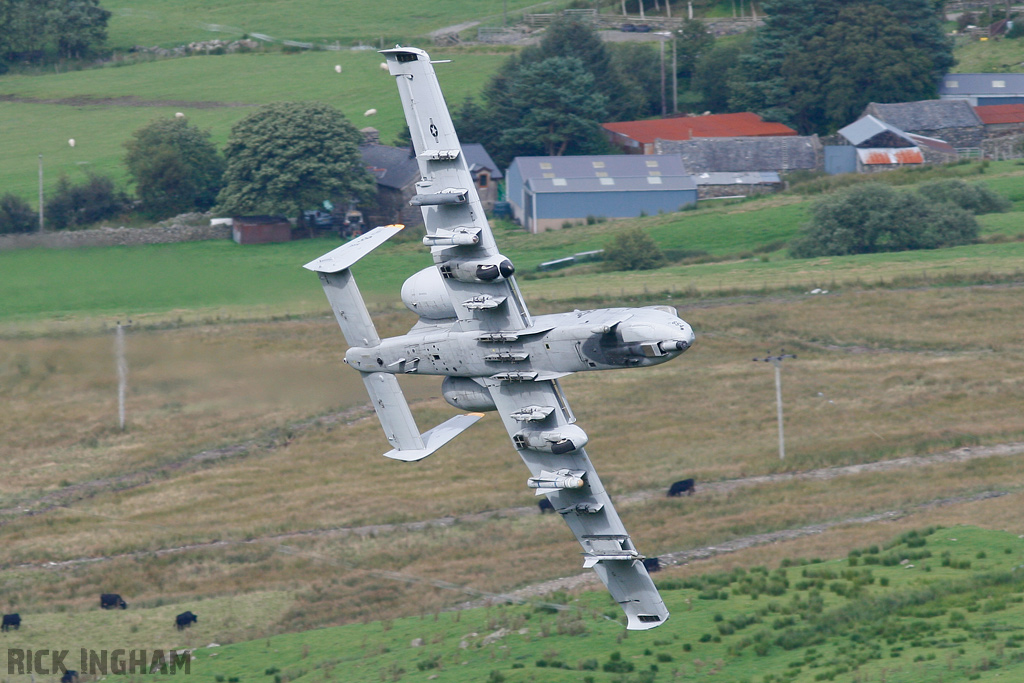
(459, 237)
(540, 423)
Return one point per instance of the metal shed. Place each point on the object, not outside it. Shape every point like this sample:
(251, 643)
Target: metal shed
(545, 192)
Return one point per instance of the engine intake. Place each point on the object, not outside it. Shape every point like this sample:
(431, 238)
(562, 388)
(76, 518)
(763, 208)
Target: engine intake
(492, 269)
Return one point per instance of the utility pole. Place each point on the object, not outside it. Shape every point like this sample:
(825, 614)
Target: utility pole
(777, 362)
(40, 193)
(122, 371)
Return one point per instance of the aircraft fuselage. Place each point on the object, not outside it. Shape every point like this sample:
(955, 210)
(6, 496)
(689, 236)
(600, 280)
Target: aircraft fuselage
(559, 343)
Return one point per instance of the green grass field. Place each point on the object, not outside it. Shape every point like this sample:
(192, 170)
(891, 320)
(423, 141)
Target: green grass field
(348, 22)
(214, 92)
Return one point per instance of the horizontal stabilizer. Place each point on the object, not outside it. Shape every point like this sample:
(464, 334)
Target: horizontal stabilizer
(344, 256)
(437, 437)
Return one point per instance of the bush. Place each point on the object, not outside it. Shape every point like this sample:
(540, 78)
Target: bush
(16, 215)
(873, 218)
(632, 250)
(973, 197)
(73, 206)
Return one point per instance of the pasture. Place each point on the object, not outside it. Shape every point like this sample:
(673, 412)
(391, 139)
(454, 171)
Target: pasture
(101, 108)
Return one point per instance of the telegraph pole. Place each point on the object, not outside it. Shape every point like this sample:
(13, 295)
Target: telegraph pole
(40, 193)
(777, 362)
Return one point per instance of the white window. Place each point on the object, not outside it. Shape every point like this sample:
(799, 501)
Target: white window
(607, 181)
(545, 165)
(598, 164)
(653, 180)
(998, 84)
(651, 163)
(952, 84)
(558, 182)
(549, 175)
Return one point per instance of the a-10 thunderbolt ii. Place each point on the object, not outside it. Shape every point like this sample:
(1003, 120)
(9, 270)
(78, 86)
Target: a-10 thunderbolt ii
(475, 331)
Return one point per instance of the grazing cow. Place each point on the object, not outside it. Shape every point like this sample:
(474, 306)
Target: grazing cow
(184, 620)
(545, 505)
(12, 621)
(652, 564)
(112, 600)
(70, 676)
(686, 486)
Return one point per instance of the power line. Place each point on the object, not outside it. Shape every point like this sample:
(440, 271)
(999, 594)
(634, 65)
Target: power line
(777, 362)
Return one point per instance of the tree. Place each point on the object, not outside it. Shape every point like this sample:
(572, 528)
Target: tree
(174, 166)
(873, 217)
(76, 26)
(640, 67)
(556, 110)
(692, 41)
(16, 215)
(849, 42)
(73, 206)
(632, 250)
(289, 156)
(713, 73)
(71, 28)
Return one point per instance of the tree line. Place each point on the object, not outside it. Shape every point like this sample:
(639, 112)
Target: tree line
(32, 29)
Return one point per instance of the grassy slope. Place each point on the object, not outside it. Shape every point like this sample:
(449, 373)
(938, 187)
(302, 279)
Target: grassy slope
(231, 281)
(349, 22)
(943, 615)
(242, 82)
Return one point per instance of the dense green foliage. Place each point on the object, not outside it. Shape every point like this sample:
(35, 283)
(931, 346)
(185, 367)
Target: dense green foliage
(16, 215)
(816, 64)
(29, 29)
(575, 82)
(974, 197)
(175, 167)
(632, 249)
(289, 156)
(872, 217)
(75, 205)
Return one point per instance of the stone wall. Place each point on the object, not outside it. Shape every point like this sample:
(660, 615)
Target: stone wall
(107, 237)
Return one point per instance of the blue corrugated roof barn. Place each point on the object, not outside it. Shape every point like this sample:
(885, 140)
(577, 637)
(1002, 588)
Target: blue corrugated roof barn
(546, 192)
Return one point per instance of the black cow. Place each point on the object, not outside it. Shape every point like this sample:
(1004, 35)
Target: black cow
(70, 676)
(12, 621)
(686, 486)
(184, 620)
(652, 564)
(112, 600)
(545, 505)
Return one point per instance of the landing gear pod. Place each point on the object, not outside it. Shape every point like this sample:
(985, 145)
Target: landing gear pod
(565, 439)
(492, 269)
(465, 394)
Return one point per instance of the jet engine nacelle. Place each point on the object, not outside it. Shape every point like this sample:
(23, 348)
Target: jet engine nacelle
(565, 439)
(492, 269)
(425, 295)
(465, 394)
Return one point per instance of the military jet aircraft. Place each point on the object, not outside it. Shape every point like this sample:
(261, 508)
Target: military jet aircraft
(475, 331)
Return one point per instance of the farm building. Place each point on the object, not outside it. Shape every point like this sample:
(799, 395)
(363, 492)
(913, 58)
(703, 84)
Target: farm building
(983, 89)
(874, 145)
(260, 229)
(639, 137)
(546, 192)
(716, 185)
(951, 120)
(396, 171)
(1000, 119)
(779, 154)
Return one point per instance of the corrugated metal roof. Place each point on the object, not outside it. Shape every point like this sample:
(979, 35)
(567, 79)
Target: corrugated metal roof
(863, 131)
(966, 85)
(926, 114)
(711, 126)
(753, 178)
(877, 156)
(631, 184)
(934, 143)
(599, 166)
(1000, 113)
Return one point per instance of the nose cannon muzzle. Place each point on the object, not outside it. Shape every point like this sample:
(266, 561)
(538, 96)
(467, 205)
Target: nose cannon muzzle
(673, 345)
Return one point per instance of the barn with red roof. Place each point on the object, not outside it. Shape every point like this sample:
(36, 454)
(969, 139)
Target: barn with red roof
(638, 137)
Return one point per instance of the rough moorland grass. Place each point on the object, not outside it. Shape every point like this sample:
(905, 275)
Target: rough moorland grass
(928, 605)
(213, 91)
